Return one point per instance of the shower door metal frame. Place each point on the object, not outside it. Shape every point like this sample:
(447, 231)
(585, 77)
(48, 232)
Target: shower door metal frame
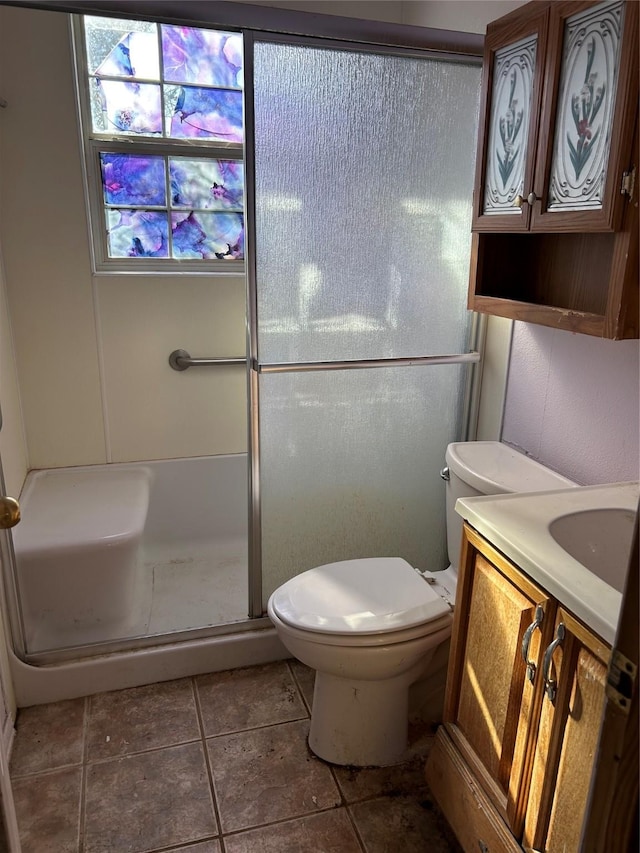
(255, 368)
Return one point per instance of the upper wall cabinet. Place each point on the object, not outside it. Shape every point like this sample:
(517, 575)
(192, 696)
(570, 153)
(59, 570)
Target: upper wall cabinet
(554, 212)
(587, 118)
(514, 60)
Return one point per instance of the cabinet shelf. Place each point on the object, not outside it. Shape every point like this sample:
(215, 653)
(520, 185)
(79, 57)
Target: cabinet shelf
(584, 283)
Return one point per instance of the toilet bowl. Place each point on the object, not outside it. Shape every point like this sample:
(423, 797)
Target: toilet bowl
(371, 627)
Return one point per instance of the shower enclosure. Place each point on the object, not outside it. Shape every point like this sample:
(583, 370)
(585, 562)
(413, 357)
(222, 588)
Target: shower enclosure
(360, 350)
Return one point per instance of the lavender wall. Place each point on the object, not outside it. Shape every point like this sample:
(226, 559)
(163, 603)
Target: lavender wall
(573, 403)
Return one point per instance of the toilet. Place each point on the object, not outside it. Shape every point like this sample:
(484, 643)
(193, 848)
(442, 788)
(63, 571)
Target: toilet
(371, 627)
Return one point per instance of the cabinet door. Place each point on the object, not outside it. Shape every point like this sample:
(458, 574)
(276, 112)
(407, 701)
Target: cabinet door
(512, 87)
(492, 695)
(589, 104)
(567, 737)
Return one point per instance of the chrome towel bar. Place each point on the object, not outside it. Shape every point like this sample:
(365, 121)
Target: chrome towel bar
(181, 360)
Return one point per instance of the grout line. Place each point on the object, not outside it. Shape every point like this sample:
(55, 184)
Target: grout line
(49, 771)
(120, 755)
(354, 825)
(257, 728)
(281, 821)
(83, 779)
(297, 684)
(346, 805)
(207, 760)
(181, 844)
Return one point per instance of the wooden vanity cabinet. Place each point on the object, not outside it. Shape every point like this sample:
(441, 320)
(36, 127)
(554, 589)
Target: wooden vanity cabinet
(511, 764)
(555, 210)
(567, 737)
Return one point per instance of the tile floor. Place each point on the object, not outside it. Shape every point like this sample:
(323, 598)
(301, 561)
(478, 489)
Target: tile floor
(213, 764)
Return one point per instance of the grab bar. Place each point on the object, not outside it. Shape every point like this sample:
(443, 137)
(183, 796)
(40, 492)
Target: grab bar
(181, 360)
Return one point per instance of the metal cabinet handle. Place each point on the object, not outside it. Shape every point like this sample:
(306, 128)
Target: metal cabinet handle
(526, 640)
(520, 200)
(550, 684)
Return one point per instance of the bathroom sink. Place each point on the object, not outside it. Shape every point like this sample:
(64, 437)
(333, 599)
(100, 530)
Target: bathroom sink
(576, 543)
(599, 539)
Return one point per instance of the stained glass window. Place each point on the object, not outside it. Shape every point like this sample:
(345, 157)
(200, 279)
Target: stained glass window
(178, 194)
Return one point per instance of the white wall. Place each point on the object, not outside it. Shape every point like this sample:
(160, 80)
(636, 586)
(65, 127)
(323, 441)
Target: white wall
(13, 451)
(573, 403)
(372, 10)
(92, 351)
(45, 247)
(471, 16)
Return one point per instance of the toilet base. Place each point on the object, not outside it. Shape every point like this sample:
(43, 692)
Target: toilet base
(361, 723)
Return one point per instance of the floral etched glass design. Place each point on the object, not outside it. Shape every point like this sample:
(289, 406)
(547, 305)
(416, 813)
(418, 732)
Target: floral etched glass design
(202, 218)
(513, 73)
(172, 86)
(590, 63)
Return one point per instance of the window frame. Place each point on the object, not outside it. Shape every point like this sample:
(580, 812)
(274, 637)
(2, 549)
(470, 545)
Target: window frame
(92, 144)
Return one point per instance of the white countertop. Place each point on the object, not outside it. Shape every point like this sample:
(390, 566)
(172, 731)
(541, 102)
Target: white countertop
(518, 525)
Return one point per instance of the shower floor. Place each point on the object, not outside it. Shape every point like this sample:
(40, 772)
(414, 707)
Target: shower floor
(183, 586)
(196, 585)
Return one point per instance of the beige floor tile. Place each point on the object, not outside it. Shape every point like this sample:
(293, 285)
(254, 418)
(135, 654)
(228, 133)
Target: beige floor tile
(241, 699)
(201, 847)
(142, 802)
(327, 832)
(390, 824)
(48, 736)
(48, 811)
(140, 718)
(306, 678)
(268, 774)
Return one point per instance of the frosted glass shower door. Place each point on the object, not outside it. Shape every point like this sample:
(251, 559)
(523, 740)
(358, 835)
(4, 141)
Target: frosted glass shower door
(363, 181)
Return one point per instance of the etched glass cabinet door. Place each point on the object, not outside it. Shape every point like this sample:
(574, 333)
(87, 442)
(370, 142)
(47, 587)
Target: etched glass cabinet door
(514, 60)
(587, 116)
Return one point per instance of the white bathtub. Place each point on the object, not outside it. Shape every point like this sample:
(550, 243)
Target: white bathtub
(194, 532)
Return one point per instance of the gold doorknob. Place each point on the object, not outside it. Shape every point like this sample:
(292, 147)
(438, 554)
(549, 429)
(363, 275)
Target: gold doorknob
(9, 512)
(519, 200)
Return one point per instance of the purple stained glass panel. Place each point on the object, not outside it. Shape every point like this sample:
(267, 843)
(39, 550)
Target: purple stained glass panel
(204, 113)
(135, 55)
(208, 57)
(133, 179)
(127, 108)
(118, 48)
(208, 236)
(137, 233)
(208, 184)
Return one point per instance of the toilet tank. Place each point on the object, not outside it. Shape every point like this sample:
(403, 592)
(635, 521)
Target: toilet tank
(490, 468)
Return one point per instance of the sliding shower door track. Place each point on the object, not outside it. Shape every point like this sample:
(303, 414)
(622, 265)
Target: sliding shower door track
(72, 653)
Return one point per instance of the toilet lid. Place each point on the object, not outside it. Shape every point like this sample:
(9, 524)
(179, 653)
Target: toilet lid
(365, 596)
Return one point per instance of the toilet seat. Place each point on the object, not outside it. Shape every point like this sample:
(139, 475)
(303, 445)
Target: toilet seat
(360, 598)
